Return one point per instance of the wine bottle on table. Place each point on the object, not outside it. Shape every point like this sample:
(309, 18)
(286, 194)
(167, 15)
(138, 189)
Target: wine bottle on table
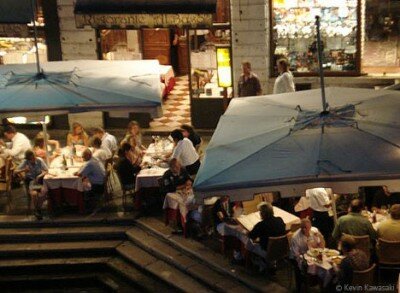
(64, 163)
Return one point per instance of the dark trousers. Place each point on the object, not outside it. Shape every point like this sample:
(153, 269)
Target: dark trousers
(192, 169)
(324, 223)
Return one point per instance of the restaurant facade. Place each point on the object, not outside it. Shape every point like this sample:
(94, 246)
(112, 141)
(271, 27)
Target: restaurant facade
(361, 41)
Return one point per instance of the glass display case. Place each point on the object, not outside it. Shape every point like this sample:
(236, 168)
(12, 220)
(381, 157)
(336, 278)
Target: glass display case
(294, 35)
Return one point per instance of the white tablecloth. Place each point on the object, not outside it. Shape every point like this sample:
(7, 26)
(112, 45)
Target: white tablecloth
(175, 200)
(58, 178)
(166, 72)
(323, 270)
(149, 177)
(250, 220)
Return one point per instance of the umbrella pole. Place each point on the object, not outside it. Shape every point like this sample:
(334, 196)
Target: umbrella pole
(321, 69)
(33, 4)
(44, 127)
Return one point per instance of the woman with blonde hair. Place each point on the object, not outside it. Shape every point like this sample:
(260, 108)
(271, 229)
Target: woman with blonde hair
(78, 136)
(284, 82)
(134, 130)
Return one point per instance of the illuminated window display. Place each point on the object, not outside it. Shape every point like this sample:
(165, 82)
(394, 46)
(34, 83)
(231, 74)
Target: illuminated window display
(17, 41)
(293, 34)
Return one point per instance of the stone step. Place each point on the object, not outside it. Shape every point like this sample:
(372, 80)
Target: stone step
(54, 249)
(198, 251)
(10, 264)
(33, 234)
(92, 221)
(140, 280)
(160, 269)
(194, 267)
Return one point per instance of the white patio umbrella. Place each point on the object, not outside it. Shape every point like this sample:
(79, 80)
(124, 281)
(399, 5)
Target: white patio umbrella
(287, 143)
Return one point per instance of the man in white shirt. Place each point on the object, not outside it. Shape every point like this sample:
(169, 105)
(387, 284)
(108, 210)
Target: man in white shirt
(100, 153)
(185, 152)
(20, 144)
(320, 203)
(107, 140)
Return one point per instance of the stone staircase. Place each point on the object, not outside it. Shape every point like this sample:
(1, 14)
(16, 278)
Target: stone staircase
(108, 256)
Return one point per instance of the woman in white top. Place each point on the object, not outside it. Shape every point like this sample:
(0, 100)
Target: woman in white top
(284, 82)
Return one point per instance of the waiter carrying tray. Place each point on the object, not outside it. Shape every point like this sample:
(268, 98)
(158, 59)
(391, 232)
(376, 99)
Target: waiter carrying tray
(320, 203)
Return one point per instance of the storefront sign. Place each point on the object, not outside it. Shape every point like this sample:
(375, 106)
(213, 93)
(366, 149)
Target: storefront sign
(14, 30)
(224, 67)
(143, 20)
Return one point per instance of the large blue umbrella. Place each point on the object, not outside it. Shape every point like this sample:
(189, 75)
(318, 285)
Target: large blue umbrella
(79, 86)
(287, 143)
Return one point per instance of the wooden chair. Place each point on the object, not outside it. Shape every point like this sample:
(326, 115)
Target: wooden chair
(6, 182)
(108, 188)
(363, 243)
(360, 278)
(278, 251)
(388, 255)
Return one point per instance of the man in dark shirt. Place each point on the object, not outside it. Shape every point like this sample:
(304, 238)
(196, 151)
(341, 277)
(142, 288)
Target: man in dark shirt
(175, 177)
(249, 84)
(270, 226)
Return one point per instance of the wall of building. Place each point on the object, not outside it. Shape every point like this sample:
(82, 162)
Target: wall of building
(250, 38)
(77, 44)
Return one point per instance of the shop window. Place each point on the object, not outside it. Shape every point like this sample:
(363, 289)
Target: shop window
(294, 35)
(120, 44)
(381, 52)
(17, 45)
(203, 59)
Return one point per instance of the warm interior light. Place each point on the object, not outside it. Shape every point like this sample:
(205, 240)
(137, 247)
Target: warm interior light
(224, 67)
(27, 120)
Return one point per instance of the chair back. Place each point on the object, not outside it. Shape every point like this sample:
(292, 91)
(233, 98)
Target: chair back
(108, 188)
(363, 243)
(360, 278)
(388, 252)
(8, 175)
(278, 248)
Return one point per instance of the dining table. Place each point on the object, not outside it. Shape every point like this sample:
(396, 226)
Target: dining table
(61, 185)
(319, 262)
(154, 163)
(177, 206)
(245, 224)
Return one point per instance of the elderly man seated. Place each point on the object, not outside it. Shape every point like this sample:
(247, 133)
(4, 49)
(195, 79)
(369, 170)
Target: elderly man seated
(303, 239)
(175, 177)
(270, 226)
(95, 172)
